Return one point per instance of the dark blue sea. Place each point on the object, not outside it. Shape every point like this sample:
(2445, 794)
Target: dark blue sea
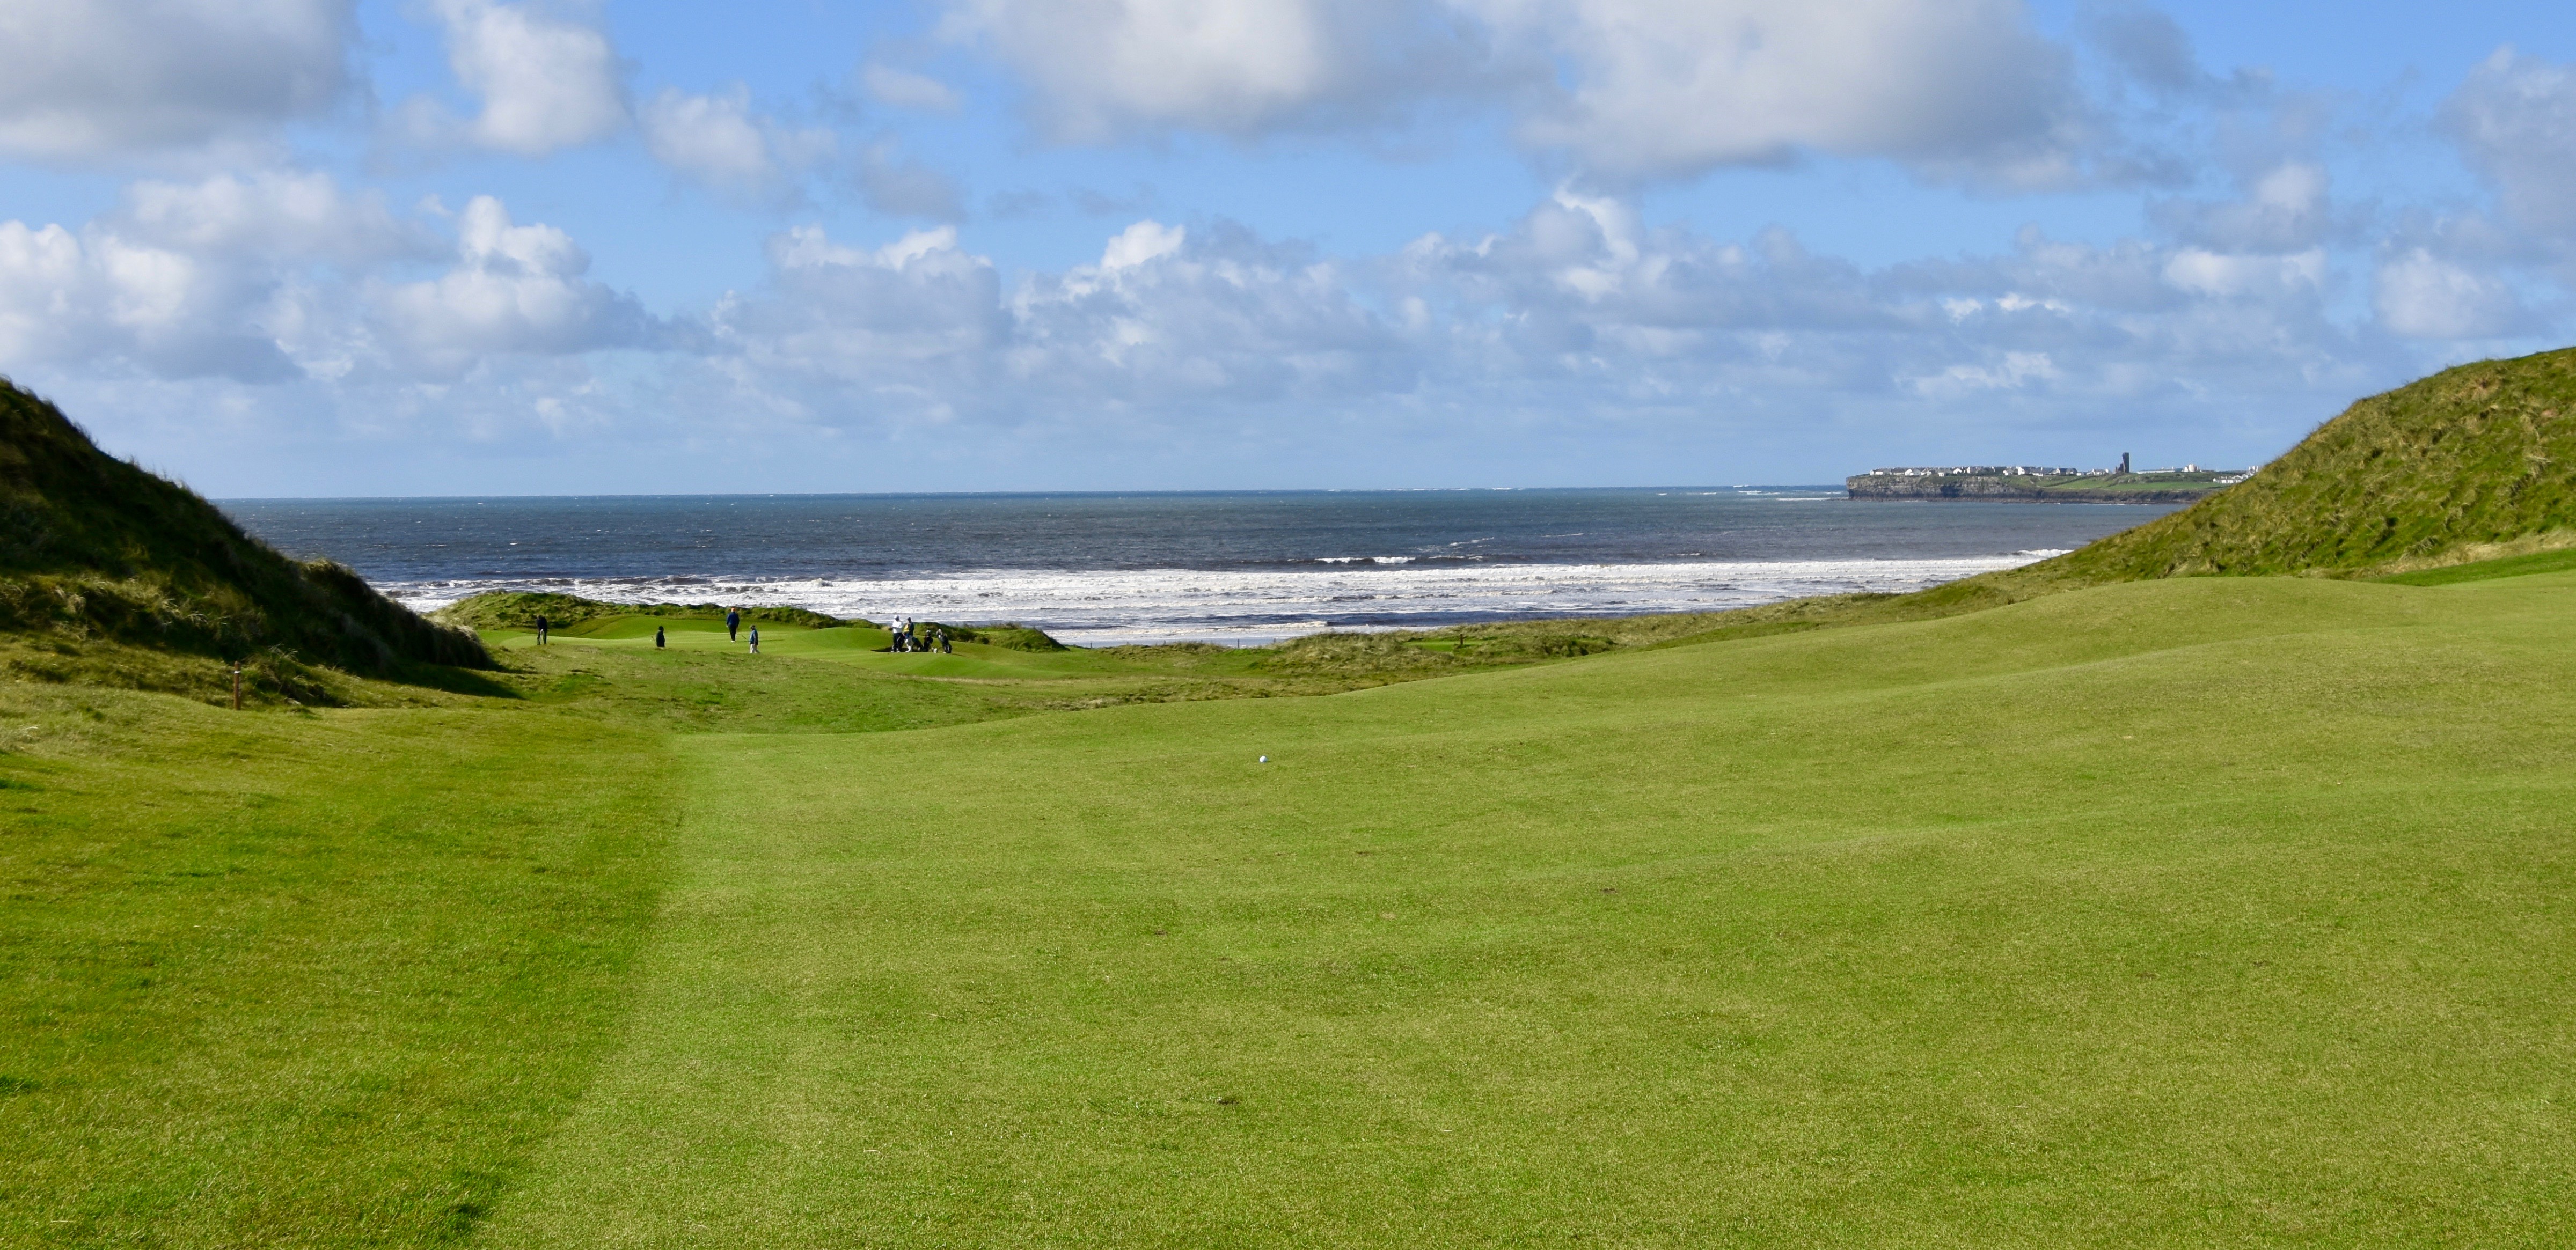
(1226, 566)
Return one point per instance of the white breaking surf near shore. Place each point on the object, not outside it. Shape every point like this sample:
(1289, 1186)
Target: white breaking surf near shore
(1111, 607)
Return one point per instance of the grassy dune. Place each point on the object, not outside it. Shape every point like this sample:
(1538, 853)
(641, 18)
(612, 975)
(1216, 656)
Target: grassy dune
(96, 550)
(2210, 911)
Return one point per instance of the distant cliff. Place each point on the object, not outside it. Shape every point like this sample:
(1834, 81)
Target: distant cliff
(2152, 487)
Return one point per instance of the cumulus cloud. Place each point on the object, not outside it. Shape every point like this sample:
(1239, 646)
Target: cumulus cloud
(2515, 120)
(1625, 89)
(1658, 88)
(544, 83)
(1165, 317)
(278, 216)
(1578, 310)
(221, 277)
(277, 276)
(75, 298)
(717, 141)
(2223, 276)
(514, 290)
(2421, 295)
(1103, 69)
(2285, 208)
(92, 79)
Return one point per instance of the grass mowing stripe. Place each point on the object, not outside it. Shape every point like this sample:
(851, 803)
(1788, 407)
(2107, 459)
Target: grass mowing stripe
(2184, 914)
(275, 980)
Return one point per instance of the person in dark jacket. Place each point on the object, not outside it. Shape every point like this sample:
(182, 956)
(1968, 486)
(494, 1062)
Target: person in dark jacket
(657, 637)
(541, 631)
(733, 624)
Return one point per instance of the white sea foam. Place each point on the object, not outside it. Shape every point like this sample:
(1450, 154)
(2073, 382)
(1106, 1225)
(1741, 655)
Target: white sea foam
(1102, 608)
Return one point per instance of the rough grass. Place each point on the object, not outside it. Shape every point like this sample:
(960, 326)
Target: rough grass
(93, 548)
(2553, 560)
(2484, 453)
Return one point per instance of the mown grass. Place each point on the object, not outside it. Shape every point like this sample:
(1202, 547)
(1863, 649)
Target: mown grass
(2205, 912)
(284, 979)
(2214, 911)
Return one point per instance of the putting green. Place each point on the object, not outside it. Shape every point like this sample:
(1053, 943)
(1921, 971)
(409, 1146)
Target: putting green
(858, 644)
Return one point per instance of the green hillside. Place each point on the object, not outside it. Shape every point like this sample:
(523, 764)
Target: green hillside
(95, 550)
(2480, 454)
(2470, 464)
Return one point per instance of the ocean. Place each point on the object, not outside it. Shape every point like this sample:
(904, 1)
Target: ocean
(1234, 566)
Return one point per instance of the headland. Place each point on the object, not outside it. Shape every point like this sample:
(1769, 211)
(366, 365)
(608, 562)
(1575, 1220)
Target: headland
(2025, 482)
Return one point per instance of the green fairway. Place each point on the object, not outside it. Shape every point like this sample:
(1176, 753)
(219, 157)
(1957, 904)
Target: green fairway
(2213, 911)
(295, 980)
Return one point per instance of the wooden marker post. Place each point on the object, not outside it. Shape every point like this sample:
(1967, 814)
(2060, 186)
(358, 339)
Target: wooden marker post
(236, 685)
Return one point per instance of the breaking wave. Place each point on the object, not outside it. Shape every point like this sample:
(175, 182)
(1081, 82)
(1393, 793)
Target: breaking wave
(1109, 607)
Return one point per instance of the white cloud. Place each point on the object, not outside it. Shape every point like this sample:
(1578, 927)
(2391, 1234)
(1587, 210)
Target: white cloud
(276, 215)
(1578, 319)
(2286, 208)
(1139, 243)
(718, 142)
(91, 79)
(2422, 296)
(1108, 68)
(1580, 308)
(78, 298)
(905, 329)
(1659, 88)
(211, 278)
(281, 275)
(709, 138)
(903, 88)
(545, 83)
(2515, 120)
(1625, 88)
(2009, 373)
(2225, 276)
(514, 290)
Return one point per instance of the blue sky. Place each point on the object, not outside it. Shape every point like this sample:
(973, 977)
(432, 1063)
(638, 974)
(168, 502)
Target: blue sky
(306, 247)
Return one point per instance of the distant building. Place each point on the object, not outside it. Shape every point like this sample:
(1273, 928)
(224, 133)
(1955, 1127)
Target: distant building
(2127, 467)
(1978, 470)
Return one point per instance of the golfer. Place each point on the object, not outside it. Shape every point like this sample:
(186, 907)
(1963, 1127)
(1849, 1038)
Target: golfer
(755, 640)
(733, 622)
(657, 637)
(541, 631)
